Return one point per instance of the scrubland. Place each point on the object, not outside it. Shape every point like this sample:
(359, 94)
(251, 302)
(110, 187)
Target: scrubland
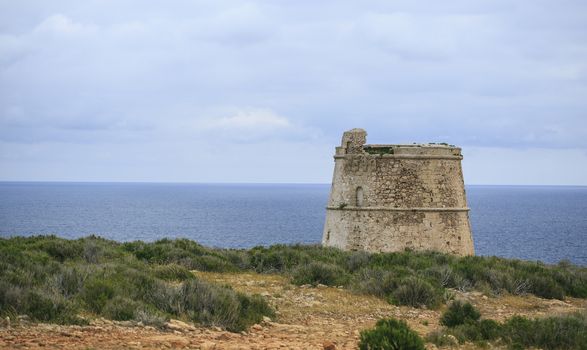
(46, 279)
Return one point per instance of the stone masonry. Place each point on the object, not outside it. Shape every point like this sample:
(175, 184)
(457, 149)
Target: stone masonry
(387, 198)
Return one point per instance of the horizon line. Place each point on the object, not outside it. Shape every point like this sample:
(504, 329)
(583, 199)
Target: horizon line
(253, 183)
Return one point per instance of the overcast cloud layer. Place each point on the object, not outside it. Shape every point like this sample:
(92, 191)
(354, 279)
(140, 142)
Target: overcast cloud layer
(261, 91)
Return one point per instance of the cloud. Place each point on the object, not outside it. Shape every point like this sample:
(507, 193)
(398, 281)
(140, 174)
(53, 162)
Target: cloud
(245, 125)
(414, 36)
(59, 24)
(130, 74)
(248, 120)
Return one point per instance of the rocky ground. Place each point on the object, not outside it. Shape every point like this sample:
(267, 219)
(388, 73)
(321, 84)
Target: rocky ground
(307, 318)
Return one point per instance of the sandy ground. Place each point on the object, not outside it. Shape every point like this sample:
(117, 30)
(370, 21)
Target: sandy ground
(308, 318)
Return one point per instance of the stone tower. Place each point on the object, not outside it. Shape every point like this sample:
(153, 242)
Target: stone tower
(387, 198)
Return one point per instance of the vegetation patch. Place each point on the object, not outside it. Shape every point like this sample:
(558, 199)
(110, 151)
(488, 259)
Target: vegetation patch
(459, 313)
(463, 323)
(57, 280)
(391, 334)
(379, 150)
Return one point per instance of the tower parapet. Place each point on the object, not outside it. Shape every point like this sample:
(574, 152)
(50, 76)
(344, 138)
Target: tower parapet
(388, 198)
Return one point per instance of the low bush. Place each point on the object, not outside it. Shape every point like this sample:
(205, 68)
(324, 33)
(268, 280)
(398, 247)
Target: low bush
(96, 293)
(120, 308)
(56, 280)
(459, 313)
(556, 332)
(173, 272)
(391, 334)
(220, 306)
(489, 329)
(208, 304)
(416, 292)
(68, 282)
(320, 273)
(546, 287)
(480, 332)
(376, 282)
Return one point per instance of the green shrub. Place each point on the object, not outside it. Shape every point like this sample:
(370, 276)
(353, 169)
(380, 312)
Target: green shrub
(416, 292)
(546, 287)
(489, 329)
(68, 282)
(472, 331)
(208, 304)
(376, 282)
(558, 332)
(237, 258)
(466, 332)
(59, 249)
(357, 260)
(96, 293)
(207, 263)
(49, 308)
(92, 251)
(318, 272)
(120, 308)
(252, 310)
(278, 258)
(220, 306)
(52, 280)
(173, 272)
(391, 334)
(459, 313)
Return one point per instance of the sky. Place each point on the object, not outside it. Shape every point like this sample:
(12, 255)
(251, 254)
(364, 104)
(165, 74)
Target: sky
(261, 91)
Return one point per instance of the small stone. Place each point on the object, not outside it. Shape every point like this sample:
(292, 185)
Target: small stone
(266, 319)
(257, 327)
(223, 336)
(452, 339)
(177, 325)
(328, 345)
(207, 346)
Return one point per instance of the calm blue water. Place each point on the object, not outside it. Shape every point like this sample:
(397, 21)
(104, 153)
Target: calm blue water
(533, 223)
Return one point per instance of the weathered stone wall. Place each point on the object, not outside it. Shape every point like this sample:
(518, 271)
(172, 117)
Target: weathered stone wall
(393, 197)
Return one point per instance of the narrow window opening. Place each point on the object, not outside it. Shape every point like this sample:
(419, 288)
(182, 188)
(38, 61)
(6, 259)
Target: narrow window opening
(359, 196)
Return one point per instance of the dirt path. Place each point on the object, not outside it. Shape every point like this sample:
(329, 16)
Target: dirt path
(308, 318)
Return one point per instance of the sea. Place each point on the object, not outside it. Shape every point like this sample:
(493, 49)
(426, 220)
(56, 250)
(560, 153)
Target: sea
(538, 223)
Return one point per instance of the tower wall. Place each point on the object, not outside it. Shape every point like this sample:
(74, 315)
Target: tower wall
(388, 198)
